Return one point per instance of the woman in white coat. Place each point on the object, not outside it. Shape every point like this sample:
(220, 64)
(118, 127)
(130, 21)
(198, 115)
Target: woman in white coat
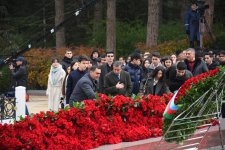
(55, 83)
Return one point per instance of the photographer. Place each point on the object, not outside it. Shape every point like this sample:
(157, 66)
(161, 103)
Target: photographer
(19, 72)
(192, 25)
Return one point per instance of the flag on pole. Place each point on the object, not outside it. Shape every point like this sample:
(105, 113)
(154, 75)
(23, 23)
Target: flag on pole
(171, 108)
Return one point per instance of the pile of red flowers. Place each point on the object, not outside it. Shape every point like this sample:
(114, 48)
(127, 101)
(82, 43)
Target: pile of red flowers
(193, 81)
(108, 120)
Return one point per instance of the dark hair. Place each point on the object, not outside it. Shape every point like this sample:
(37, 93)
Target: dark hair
(72, 63)
(222, 52)
(156, 54)
(135, 56)
(166, 58)
(55, 59)
(181, 66)
(143, 63)
(94, 67)
(109, 52)
(199, 54)
(94, 51)
(103, 56)
(83, 58)
(156, 70)
(210, 54)
(177, 52)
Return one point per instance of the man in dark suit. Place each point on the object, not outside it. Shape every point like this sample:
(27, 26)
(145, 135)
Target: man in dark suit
(106, 68)
(86, 87)
(118, 82)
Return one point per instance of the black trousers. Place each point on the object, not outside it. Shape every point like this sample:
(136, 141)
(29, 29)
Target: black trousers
(223, 110)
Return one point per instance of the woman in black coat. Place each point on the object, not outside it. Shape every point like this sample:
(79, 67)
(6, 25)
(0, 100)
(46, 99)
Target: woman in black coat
(156, 85)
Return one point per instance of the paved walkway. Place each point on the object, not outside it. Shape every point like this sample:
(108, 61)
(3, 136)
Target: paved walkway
(39, 103)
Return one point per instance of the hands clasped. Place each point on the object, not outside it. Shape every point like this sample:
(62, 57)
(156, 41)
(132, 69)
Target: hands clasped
(119, 85)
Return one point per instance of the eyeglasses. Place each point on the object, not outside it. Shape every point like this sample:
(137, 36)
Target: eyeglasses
(110, 56)
(68, 53)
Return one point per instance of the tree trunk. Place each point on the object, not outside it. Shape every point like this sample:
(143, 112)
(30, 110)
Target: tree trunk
(59, 18)
(209, 14)
(111, 25)
(98, 15)
(160, 11)
(153, 22)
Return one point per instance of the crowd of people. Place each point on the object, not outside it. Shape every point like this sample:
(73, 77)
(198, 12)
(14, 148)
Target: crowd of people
(79, 78)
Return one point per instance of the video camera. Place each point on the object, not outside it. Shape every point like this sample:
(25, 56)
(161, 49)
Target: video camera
(202, 7)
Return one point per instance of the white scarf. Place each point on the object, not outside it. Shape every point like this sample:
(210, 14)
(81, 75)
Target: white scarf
(55, 74)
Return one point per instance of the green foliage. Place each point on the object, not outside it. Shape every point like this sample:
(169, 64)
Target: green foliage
(79, 105)
(5, 79)
(128, 34)
(171, 31)
(219, 32)
(98, 38)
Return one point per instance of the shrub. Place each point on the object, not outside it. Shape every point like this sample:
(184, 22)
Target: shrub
(165, 48)
(5, 79)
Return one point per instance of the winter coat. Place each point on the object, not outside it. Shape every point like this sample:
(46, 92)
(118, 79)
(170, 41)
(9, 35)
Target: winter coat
(66, 62)
(160, 88)
(199, 67)
(174, 82)
(135, 75)
(213, 66)
(104, 70)
(54, 89)
(192, 25)
(72, 80)
(111, 79)
(19, 76)
(84, 90)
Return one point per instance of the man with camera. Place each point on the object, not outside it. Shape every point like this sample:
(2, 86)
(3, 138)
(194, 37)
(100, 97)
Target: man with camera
(19, 72)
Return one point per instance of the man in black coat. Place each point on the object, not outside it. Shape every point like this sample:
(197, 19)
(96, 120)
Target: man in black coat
(106, 68)
(211, 64)
(177, 76)
(118, 82)
(67, 60)
(19, 73)
(86, 86)
(76, 75)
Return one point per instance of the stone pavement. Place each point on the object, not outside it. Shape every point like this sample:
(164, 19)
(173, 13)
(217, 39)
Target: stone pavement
(39, 102)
